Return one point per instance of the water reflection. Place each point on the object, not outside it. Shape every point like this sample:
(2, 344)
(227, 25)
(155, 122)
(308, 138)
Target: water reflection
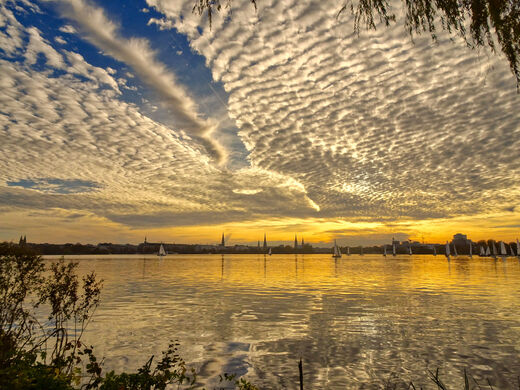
(354, 321)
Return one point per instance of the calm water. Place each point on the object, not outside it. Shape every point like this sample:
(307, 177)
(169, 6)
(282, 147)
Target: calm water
(354, 321)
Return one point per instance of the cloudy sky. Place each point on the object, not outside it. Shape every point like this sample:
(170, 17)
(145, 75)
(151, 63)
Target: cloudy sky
(122, 119)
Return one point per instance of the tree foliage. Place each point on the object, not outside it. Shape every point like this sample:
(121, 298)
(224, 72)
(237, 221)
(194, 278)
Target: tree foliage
(479, 22)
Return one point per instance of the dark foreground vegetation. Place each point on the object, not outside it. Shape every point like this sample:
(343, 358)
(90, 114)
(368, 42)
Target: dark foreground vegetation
(49, 354)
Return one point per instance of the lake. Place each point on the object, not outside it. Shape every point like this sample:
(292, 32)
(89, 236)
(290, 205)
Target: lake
(356, 322)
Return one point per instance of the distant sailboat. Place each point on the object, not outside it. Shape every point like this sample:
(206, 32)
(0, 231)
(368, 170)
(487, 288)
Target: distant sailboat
(269, 253)
(482, 253)
(470, 250)
(434, 251)
(447, 250)
(348, 251)
(503, 253)
(162, 252)
(393, 249)
(488, 253)
(455, 254)
(494, 253)
(384, 250)
(410, 250)
(337, 251)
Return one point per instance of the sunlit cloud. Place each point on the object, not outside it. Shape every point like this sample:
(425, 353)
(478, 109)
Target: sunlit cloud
(331, 135)
(137, 53)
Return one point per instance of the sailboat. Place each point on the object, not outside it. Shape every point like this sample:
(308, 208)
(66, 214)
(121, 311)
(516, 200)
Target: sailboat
(488, 253)
(162, 252)
(517, 248)
(470, 251)
(393, 249)
(482, 252)
(337, 251)
(447, 250)
(503, 253)
(348, 251)
(384, 250)
(269, 253)
(494, 253)
(455, 254)
(434, 251)
(410, 250)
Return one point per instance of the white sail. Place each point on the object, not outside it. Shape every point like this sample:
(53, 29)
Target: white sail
(494, 249)
(162, 252)
(502, 249)
(270, 252)
(337, 252)
(482, 253)
(488, 253)
(393, 249)
(434, 251)
(447, 250)
(410, 250)
(455, 250)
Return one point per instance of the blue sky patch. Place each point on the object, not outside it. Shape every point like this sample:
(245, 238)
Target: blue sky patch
(56, 186)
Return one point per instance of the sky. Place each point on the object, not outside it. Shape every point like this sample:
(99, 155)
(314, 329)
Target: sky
(126, 119)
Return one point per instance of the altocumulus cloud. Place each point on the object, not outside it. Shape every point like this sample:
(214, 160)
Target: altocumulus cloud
(336, 126)
(374, 126)
(70, 142)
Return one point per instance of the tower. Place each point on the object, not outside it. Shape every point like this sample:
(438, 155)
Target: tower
(223, 242)
(145, 240)
(265, 241)
(295, 242)
(303, 242)
(20, 243)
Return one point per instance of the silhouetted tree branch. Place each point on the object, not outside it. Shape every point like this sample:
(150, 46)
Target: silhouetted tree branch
(487, 20)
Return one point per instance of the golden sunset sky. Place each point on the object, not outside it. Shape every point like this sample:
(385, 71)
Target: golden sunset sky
(123, 120)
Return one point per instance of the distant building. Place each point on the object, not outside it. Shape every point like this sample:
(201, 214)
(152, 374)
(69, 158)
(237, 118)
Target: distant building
(460, 239)
(295, 242)
(303, 243)
(22, 241)
(223, 241)
(265, 241)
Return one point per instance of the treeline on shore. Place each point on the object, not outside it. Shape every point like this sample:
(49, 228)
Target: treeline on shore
(153, 248)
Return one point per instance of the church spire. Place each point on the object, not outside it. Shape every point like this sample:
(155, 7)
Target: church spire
(295, 242)
(265, 241)
(223, 242)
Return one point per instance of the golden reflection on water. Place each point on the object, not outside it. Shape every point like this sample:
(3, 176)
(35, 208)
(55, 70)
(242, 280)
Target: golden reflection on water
(354, 321)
